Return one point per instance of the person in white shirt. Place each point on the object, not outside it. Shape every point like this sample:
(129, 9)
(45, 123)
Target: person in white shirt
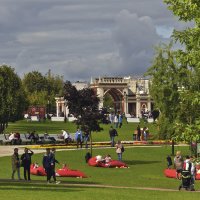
(65, 135)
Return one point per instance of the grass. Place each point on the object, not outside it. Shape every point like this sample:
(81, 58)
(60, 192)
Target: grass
(125, 133)
(146, 170)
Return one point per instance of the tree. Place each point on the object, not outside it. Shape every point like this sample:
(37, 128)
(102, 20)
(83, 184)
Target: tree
(12, 97)
(41, 90)
(83, 104)
(179, 91)
(164, 88)
(187, 126)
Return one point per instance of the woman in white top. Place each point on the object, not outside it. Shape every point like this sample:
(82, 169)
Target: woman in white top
(119, 152)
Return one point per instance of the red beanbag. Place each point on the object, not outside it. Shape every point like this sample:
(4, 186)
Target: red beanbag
(113, 163)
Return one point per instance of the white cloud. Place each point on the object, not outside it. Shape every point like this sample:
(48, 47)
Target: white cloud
(82, 38)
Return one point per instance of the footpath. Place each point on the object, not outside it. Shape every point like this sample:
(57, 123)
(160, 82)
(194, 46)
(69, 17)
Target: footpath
(7, 150)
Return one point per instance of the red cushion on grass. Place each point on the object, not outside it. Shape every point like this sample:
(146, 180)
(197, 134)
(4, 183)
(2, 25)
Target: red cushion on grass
(171, 173)
(70, 173)
(113, 163)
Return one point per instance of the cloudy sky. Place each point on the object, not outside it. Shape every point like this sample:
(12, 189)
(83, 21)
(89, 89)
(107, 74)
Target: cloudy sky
(80, 39)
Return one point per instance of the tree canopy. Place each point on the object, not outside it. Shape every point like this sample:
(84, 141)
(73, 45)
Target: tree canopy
(83, 104)
(175, 75)
(12, 97)
(42, 89)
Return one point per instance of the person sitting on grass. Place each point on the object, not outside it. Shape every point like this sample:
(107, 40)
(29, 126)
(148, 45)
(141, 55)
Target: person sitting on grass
(107, 160)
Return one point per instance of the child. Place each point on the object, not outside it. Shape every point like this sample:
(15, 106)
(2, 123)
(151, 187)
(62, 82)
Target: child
(107, 160)
(169, 162)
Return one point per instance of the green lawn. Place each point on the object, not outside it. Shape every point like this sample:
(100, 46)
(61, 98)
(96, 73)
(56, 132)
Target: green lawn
(146, 170)
(125, 133)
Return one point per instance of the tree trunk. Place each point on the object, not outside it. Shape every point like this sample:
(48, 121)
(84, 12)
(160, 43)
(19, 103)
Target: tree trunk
(90, 143)
(172, 147)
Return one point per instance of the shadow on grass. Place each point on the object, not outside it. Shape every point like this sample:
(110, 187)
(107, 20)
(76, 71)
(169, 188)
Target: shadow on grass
(138, 162)
(37, 185)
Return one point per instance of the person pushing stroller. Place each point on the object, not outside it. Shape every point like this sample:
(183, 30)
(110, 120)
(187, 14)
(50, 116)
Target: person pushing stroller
(188, 174)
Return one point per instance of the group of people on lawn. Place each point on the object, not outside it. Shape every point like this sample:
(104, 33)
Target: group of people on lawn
(181, 164)
(24, 161)
(141, 133)
(80, 138)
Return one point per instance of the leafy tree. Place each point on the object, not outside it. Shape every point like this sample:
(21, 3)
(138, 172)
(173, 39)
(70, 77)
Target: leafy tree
(12, 97)
(34, 82)
(83, 104)
(179, 91)
(41, 90)
(164, 88)
(108, 102)
(187, 125)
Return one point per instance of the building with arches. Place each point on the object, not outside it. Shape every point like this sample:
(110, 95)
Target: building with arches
(130, 95)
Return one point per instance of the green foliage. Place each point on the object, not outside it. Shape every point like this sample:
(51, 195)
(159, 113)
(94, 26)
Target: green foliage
(108, 102)
(41, 90)
(177, 95)
(164, 88)
(83, 104)
(12, 96)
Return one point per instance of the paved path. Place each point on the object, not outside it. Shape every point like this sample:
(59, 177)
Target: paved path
(7, 150)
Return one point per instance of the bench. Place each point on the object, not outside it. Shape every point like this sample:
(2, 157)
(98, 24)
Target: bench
(34, 118)
(57, 119)
(4, 139)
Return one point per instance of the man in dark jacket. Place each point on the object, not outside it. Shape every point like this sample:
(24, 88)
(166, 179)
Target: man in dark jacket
(112, 133)
(26, 162)
(49, 165)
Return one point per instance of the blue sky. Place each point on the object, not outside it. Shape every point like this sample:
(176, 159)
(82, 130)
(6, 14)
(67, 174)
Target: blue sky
(80, 39)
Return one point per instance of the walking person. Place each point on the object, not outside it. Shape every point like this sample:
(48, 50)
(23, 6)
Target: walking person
(120, 120)
(112, 133)
(86, 138)
(53, 165)
(193, 172)
(116, 120)
(138, 133)
(178, 164)
(26, 162)
(78, 138)
(119, 150)
(15, 164)
(47, 160)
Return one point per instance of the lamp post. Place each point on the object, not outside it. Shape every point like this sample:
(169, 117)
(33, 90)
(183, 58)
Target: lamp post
(125, 106)
(65, 106)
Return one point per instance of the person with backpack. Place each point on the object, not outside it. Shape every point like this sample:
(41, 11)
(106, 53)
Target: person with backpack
(178, 163)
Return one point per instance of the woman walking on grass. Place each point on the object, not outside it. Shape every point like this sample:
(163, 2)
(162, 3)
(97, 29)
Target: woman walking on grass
(119, 150)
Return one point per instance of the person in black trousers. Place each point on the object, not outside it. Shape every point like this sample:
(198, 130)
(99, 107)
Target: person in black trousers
(47, 160)
(26, 162)
(53, 165)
